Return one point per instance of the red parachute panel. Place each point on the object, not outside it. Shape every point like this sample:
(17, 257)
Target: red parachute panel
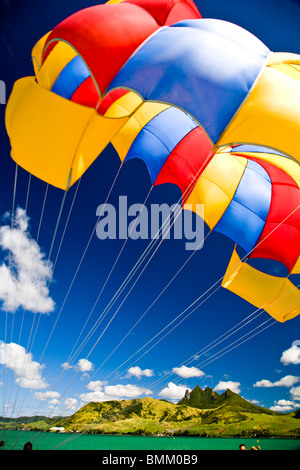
(280, 238)
(187, 161)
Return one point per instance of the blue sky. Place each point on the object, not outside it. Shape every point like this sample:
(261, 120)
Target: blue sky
(120, 361)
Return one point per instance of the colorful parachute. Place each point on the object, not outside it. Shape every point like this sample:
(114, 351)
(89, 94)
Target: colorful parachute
(204, 103)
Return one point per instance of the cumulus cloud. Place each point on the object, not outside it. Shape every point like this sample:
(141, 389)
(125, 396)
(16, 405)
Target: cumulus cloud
(138, 372)
(128, 391)
(44, 396)
(102, 392)
(28, 373)
(95, 385)
(83, 365)
(284, 405)
(71, 403)
(295, 392)
(188, 372)
(233, 386)
(54, 398)
(173, 391)
(25, 273)
(291, 355)
(287, 381)
(97, 395)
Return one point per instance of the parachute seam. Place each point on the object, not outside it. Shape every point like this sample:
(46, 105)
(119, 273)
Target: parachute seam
(69, 44)
(281, 152)
(245, 98)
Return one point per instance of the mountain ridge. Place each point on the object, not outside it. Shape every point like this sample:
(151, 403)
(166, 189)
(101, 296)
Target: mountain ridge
(200, 412)
(208, 398)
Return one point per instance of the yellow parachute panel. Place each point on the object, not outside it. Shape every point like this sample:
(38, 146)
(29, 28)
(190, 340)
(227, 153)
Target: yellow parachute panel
(276, 295)
(75, 134)
(270, 114)
(216, 186)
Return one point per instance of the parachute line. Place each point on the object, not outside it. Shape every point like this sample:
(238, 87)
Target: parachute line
(9, 260)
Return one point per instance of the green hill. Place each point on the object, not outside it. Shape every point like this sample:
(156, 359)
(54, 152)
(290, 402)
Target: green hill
(199, 413)
(228, 400)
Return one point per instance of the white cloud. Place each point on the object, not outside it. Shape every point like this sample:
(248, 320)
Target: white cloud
(264, 383)
(25, 273)
(128, 391)
(47, 395)
(255, 402)
(188, 372)
(95, 385)
(233, 386)
(113, 392)
(138, 372)
(295, 392)
(286, 381)
(97, 395)
(173, 391)
(281, 409)
(291, 356)
(83, 365)
(71, 403)
(54, 401)
(28, 373)
(284, 405)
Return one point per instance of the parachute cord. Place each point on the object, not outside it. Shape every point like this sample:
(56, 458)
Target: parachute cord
(192, 358)
(8, 274)
(117, 408)
(138, 263)
(149, 308)
(48, 261)
(24, 309)
(216, 356)
(117, 311)
(26, 205)
(189, 314)
(69, 359)
(191, 305)
(150, 244)
(80, 263)
(32, 264)
(266, 324)
(103, 286)
(76, 272)
(187, 191)
(195, 301)
(54, 264)
(196, 307)
(226, 335)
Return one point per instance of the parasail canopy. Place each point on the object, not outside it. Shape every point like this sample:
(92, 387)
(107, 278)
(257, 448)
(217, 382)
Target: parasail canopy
(204, 103)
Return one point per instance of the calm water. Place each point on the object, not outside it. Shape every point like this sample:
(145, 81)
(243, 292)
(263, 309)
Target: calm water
(15, 440)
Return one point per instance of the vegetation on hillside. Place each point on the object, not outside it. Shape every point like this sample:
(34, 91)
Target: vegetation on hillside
(199, 413)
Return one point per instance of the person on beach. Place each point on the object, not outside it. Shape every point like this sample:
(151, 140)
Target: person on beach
(242, 447)
(27, 446)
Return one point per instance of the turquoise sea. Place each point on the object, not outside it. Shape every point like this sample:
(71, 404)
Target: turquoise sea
(15, 440)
